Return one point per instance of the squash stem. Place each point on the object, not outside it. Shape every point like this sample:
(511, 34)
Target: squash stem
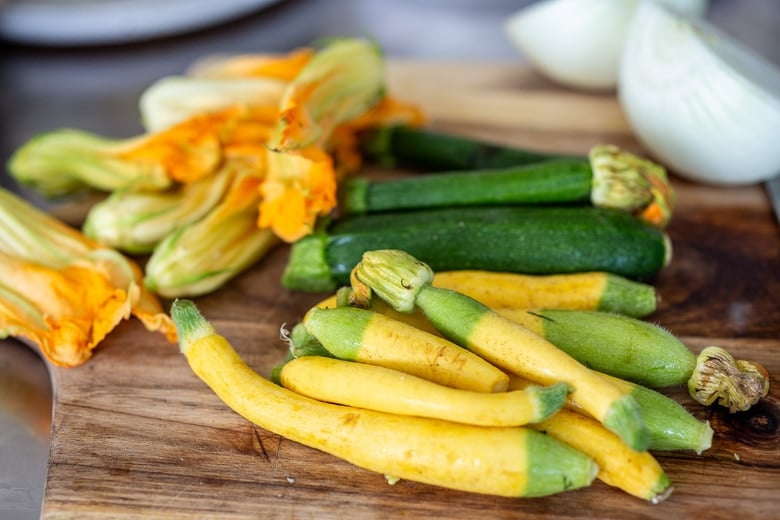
(302, 343)
(190, 323)
(622, 180)
(734, 384)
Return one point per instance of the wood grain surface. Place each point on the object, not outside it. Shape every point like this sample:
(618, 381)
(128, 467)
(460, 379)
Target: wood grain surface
(135, 434)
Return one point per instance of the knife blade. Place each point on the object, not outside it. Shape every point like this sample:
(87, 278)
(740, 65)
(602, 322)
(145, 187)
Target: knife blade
(773, 189)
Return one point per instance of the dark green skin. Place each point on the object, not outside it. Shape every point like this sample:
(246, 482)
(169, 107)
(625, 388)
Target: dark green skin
(540, 183)
(439, 151)
(524, 240)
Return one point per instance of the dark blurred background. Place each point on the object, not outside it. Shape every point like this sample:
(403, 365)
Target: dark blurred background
(89, 74)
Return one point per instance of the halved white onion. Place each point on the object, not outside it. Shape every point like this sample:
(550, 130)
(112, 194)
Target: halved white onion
(579, 42)
(699, 101)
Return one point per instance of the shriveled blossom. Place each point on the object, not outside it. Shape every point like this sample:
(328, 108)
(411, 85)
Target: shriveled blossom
(215, 84)
(136, 221)
(62, 291)
(196, 147)
(301, 186)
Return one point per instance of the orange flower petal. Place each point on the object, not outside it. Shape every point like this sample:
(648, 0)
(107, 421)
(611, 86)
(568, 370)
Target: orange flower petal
(187, 151)
(79, 307)
(299, 187)
(67, 300)
(284, 67)
(195, 147)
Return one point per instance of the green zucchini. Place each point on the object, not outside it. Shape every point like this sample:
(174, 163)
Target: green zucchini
(670, 425)
(542, 183)
(474, 172)
(646, 354)
(428, 149)
(512, 239)
(623, 347)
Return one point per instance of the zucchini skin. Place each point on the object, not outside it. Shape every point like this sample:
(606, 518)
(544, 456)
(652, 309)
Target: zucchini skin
(542, 183)
(623, 347)
(428, 149)
(671, 426)
(513, 239)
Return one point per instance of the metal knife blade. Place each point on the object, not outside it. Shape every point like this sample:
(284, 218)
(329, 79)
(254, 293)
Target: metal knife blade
(773, 189)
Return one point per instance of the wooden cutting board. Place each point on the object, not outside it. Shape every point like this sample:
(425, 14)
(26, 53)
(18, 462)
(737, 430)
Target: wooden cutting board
(136, 435)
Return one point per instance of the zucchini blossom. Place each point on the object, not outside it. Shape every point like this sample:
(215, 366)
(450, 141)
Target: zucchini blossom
(284, 67)
(62, 291)
(216, 84)
(343, 83)
(136, 221)
(62, 162)
(200, 257)
(174, 99)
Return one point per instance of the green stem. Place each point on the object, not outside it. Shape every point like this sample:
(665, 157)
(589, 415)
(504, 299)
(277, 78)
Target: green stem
(628, 297)
(670, 425)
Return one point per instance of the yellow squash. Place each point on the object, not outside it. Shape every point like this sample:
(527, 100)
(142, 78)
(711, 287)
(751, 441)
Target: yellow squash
(392, 391)
(504, 461)
(375, 339)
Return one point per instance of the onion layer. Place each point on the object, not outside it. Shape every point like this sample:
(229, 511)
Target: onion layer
(705, 106)
(579, 42)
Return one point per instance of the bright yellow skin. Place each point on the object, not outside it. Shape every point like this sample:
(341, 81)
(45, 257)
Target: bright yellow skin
(458, 456)
(496, 339)
(548, 365)
(392, 391)
(523, 317)
(637, 473)
(431, 357)
(519, 291)
(515, 348)
(390, 343)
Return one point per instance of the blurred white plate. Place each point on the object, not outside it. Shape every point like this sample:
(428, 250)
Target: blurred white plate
(92, 22)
